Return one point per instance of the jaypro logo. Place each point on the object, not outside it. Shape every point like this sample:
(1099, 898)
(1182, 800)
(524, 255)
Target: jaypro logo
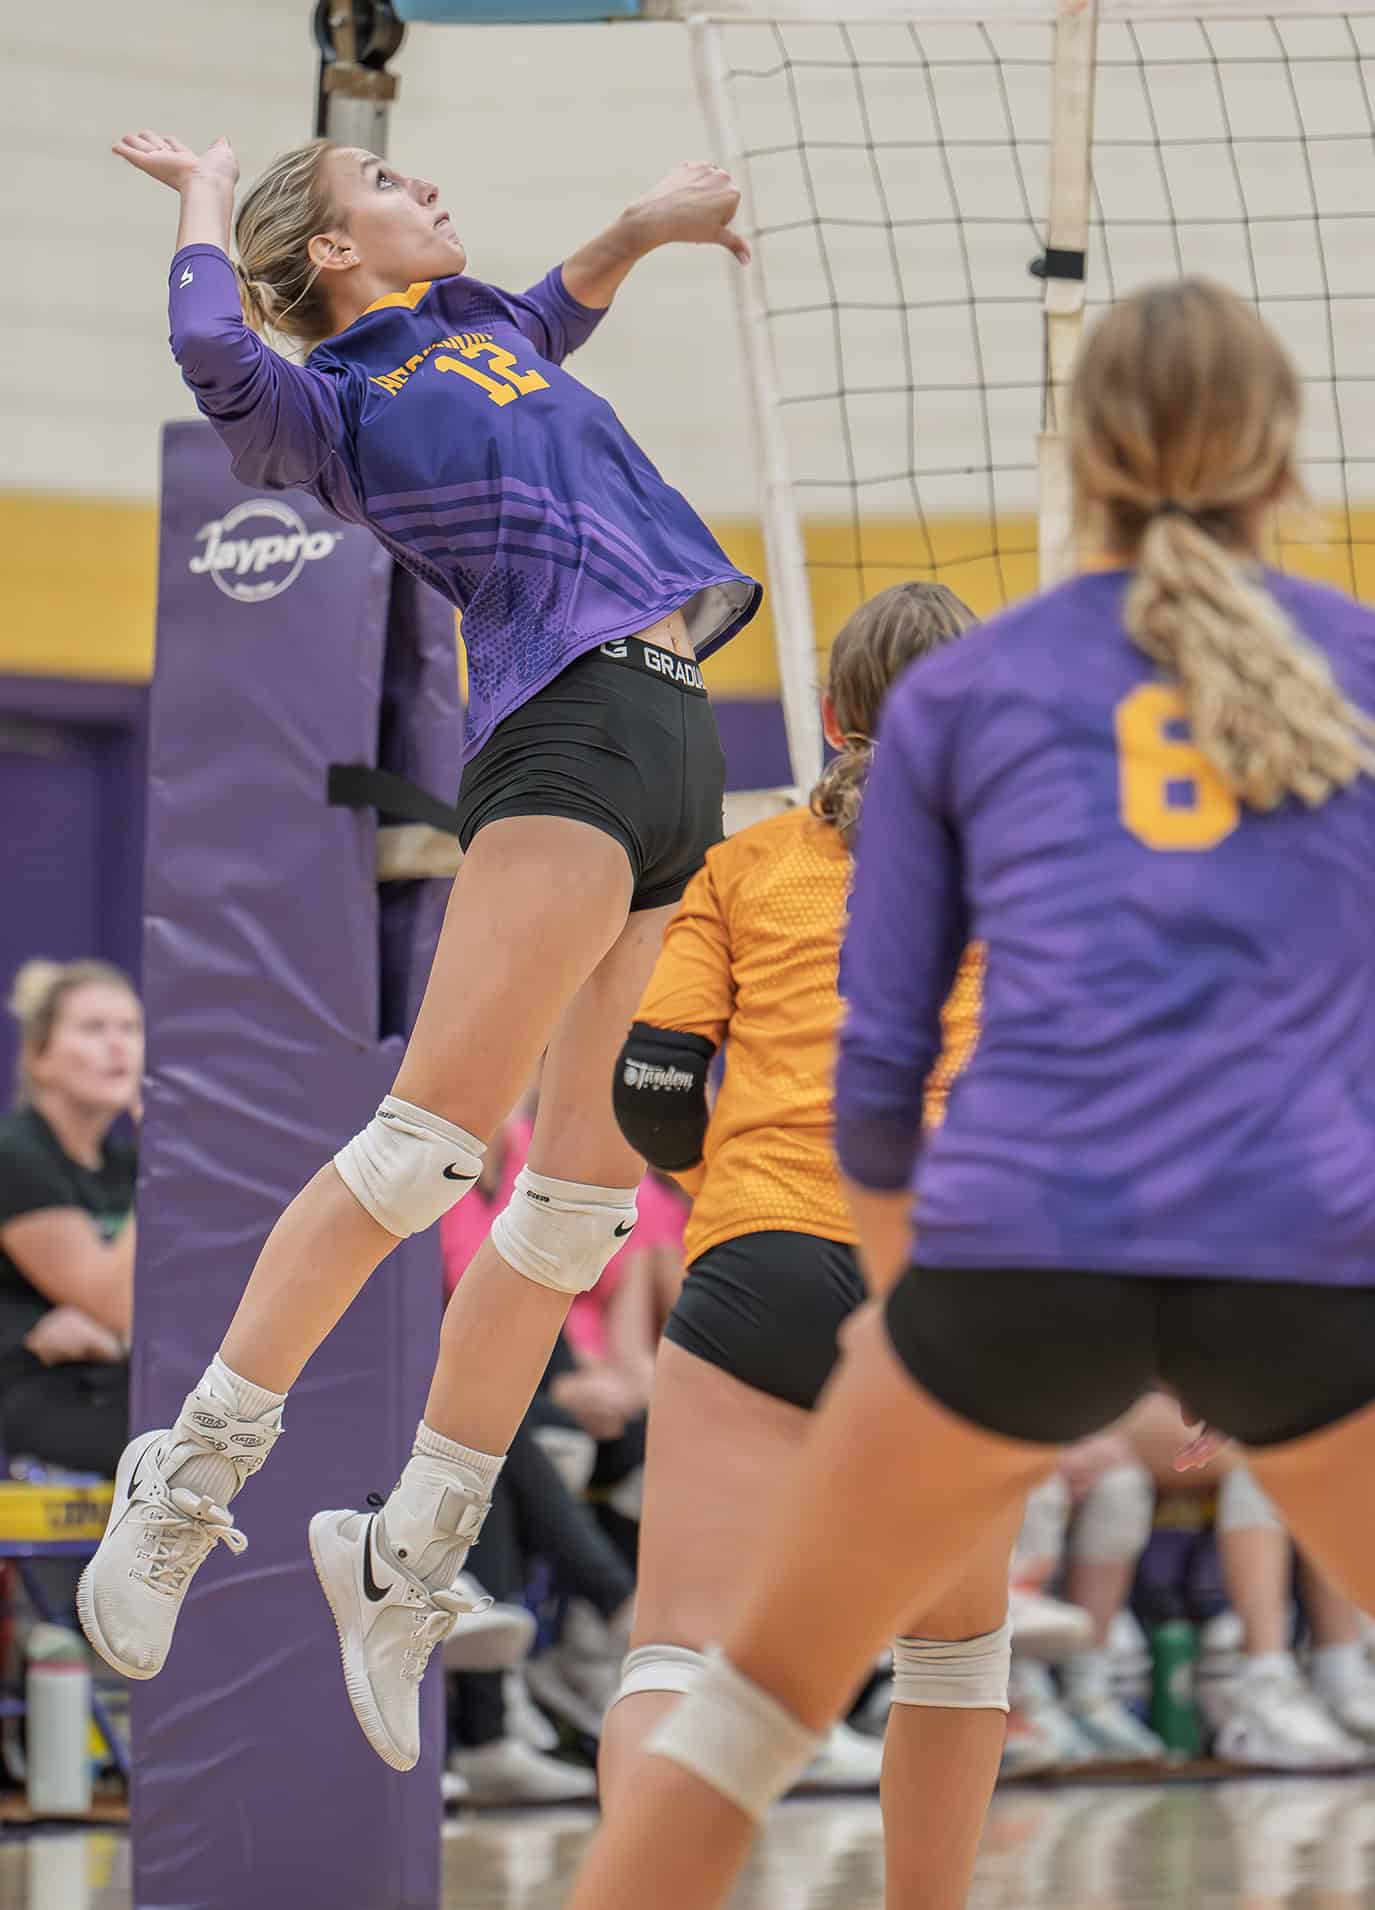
(251, 567)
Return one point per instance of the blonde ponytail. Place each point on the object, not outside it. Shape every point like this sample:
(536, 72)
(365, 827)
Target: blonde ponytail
(1183, 423)
(1263, 705)
(279, 283)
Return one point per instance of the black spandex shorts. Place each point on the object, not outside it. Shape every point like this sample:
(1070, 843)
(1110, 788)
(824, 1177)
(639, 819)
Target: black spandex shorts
(766, 1308)
(1053, 1356)
(625, 739)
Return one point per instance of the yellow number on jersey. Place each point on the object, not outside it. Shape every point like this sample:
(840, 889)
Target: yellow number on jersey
(509, 382)
(1153, 765)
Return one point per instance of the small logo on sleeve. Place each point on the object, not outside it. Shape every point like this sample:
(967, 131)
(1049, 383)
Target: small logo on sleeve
(186, 278)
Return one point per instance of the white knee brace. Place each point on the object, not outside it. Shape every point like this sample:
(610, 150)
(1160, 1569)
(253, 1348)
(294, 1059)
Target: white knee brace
(1114, 1518)
(736, 1738)
(408, 1167)
(965, 1674)
(561, 1234)
(660, 1668)
(1043, 1526)
(1241, 1504)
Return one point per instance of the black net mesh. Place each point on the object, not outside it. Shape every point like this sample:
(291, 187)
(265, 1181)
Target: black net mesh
(898, 178)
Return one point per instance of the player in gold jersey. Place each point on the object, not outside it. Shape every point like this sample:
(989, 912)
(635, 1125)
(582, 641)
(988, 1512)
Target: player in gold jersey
(750, 961)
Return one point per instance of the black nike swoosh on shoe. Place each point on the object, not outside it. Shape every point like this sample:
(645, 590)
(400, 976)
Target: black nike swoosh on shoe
(626, 1227)
(133, 1476)
(449, 1173)
(373, 1590)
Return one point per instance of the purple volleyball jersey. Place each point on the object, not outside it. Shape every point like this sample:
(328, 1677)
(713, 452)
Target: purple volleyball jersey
(1176, 1071)
(443, 420)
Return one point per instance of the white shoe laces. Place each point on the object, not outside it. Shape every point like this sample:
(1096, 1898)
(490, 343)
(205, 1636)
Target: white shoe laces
(431, 1628)
(181, 1534)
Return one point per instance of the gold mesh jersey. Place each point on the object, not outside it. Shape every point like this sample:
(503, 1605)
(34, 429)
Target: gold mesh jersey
(751, 958)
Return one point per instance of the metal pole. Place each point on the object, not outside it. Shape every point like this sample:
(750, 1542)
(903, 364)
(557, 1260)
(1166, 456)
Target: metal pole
(353, 99)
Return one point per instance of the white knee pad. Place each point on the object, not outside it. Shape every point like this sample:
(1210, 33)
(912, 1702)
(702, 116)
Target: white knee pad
(1114, 1518)
(561, 1234)
(1043, 1526)
(408, 1167)
(1242, 1504)
(736, 1738)
(660, 1668)
(965, 1674)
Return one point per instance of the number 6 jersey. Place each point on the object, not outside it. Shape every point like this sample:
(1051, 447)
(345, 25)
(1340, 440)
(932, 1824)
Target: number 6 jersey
(1176, 1069)
(442, 419)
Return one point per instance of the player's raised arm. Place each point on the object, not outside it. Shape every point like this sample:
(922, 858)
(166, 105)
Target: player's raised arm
(280, 421)
(694, 205)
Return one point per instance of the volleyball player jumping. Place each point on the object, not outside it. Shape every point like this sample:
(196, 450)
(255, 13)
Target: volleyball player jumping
(437, 411)
(1149, 794)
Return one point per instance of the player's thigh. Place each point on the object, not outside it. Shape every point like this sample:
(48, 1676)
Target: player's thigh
(576, 1137)
(719, 1453)
(976, 1603)
(535, 908)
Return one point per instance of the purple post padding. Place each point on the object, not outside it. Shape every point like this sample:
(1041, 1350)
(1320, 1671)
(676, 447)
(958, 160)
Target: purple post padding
(275, 1026)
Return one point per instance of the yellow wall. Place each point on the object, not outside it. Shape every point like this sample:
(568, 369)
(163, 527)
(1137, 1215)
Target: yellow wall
(78, 581)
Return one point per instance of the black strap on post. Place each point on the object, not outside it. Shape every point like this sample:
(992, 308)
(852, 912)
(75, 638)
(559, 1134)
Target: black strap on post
(1057, 263)
(396, 798)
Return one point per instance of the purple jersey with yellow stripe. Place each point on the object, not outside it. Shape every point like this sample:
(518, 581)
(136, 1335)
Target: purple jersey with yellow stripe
(443, 419)
(1176, 1069)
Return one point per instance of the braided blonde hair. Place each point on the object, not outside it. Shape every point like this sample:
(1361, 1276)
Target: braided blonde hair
(279, 282)
(1183, 421)
(870, 653)
(37, 992)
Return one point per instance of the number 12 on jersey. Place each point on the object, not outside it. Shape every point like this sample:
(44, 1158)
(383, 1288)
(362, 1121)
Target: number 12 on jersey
(1170, 795)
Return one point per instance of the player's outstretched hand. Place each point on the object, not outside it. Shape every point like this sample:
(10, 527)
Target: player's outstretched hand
(175, 164)
(693, 206)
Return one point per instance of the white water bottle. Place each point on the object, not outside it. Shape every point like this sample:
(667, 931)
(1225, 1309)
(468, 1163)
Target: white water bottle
(57, 1694)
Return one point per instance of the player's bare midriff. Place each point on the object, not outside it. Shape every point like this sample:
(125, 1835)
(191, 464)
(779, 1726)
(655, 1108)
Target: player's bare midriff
(670, 633)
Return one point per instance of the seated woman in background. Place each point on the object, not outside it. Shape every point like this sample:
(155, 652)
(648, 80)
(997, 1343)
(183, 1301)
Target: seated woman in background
(66, 1216)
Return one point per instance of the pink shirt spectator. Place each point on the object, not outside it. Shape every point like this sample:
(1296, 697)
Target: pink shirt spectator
(663, 1215)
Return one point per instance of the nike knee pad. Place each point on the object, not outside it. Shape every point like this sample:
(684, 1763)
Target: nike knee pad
(560, 1233)
(1242, 1504)
(1114, 1518)
(408, 1167)
(961, 1674)
(737, 1738)
(660, 1668)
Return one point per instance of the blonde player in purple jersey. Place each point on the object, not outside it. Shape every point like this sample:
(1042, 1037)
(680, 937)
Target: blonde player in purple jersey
(437, 411)
(1151, 795)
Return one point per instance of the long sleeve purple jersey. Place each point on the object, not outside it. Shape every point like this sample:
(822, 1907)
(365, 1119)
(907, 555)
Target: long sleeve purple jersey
(1176, 1071)
(443, 420)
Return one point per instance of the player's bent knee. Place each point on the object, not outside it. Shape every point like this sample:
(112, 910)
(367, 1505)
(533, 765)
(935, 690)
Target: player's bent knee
(966, 1674)
(737, 1738)
(673, 1668)
(562, 1233)
(407, 1167)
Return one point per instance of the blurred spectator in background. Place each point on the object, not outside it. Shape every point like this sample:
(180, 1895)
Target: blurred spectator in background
(1271, 1707)
(66, 1216)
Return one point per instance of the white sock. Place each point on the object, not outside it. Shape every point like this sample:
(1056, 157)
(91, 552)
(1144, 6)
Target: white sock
(207, 1473)
(1338, 1670)
(1086, 1676)
(1268, 1664)
(410, 1517)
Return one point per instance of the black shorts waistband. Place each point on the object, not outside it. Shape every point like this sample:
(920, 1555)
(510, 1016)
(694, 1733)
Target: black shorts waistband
(652, 658)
